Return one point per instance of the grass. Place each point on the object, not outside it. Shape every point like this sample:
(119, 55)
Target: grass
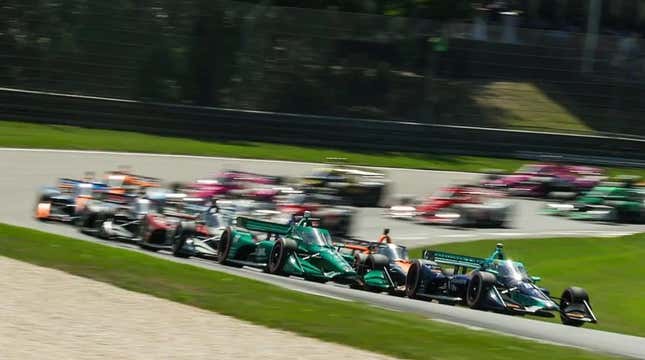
(538, 106)
(611, 270)
(28, 135)
(398, 334)
(524, 106)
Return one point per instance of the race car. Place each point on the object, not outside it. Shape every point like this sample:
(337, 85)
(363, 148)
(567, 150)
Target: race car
(231, 209)
(115, 215)
(495, 283)
(231, 182)
(462, 205)
(123, 180)
(328, 209)
(547, 180)
(610, 202)
(66, 200)
(184, 225)
(298, 249)
(199, 237)
(360, 187)
(381, 267)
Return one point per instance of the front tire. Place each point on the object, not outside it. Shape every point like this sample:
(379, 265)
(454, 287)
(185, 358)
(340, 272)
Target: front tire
(182, 233)
(280, 252)
(478, 287)
(413, 280)
(224, 247)
(570, 296)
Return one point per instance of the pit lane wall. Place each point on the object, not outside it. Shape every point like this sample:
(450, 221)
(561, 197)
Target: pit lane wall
(348, 133)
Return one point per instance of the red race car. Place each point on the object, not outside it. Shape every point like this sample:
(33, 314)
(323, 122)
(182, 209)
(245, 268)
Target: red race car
(463, 205)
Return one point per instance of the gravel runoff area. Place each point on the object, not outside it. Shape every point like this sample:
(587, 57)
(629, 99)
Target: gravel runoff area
(49, 314)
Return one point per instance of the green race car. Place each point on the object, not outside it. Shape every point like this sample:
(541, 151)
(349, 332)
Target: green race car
(611, 201)
(298, 249)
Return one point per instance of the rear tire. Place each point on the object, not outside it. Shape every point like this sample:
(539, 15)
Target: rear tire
(376, 262)
(478, 286)
(143, 234)
(87, 223)
(359, 263)
(572, 295)
(317, 280)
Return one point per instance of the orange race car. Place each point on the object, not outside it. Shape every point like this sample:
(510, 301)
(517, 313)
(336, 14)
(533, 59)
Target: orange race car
(123, 181)
(381, 267)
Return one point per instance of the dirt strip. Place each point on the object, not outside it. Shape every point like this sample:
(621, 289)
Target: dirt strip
(49, 314)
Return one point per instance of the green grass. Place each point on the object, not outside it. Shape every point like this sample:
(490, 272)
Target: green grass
(28, 135)
(535, 106)
(524, 106)
(398, 334)
(610, 269)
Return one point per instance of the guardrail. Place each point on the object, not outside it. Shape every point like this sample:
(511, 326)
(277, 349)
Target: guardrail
(348, 133)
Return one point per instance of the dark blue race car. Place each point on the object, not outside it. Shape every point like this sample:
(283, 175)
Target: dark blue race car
(494, 283)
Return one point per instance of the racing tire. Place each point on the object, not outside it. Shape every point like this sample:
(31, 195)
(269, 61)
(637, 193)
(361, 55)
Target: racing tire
(413, 280)
(465, 219)
(462, 220)
(44, 198)
(615, 216)
(224, 247)
(182, 233)
(376, 262)
(98, 225)
(87, 223)
(359, 263)
(374, 197)
(143, 229)
(500, 224)
(572, 295)
(316, 280)
(397, 293)
(478, 286)
(176, 186)
(279, 255)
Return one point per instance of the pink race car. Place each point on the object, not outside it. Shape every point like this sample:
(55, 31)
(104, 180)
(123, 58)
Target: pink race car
(545, 180)
(233, 182)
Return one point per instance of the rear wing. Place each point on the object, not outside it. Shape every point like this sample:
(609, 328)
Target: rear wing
(68, 184)
(355, 244)
(127, 173)
(116, 198)
(358, 242)
(134, 179)
(263, 226)
(453, 259)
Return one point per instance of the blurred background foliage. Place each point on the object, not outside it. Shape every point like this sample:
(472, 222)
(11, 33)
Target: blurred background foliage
(403, 60)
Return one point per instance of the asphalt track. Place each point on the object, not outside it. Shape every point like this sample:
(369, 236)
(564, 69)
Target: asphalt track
(23, 171)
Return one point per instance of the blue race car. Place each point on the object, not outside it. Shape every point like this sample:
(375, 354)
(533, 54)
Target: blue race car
(65, 201)
(494, 283)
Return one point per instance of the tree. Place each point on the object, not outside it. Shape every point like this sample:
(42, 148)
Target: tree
(212, 53)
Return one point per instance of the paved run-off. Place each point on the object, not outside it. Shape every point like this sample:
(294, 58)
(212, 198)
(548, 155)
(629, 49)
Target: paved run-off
(49, 314)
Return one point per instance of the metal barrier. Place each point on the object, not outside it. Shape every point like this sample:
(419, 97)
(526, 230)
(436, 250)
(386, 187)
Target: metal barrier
(347, 133)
